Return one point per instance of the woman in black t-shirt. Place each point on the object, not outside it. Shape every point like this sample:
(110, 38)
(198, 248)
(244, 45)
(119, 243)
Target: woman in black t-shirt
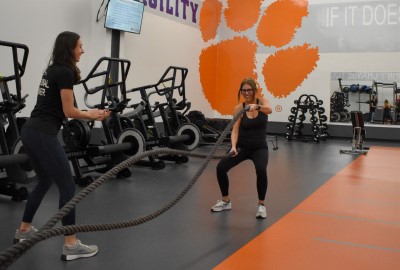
(55, 102)
(248, 139)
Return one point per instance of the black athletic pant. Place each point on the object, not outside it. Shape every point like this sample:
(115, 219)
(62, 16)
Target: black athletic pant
(50, 163)
(260, 159)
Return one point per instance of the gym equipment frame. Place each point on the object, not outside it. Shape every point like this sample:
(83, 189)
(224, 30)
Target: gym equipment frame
(120, 142)
(313, 105)
(178, 132)
(12, 163)
(358, 135)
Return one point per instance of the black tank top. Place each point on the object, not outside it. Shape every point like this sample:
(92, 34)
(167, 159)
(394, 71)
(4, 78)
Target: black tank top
(253, 132)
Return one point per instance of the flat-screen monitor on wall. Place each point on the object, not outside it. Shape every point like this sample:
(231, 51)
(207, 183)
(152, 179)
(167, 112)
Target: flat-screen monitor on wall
(124, 15)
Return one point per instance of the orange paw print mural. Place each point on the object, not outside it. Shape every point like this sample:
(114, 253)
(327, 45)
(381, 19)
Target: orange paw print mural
(223, 65)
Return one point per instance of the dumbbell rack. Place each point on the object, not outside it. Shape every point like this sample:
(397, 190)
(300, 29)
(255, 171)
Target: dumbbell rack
(311, 104)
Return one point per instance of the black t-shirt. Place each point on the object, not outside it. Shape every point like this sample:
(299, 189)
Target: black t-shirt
(48, 113)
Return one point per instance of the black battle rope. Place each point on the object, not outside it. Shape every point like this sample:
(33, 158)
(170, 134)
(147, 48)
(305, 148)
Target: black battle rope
(11, 254)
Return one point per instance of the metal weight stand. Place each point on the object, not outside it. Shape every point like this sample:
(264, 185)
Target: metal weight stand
(358, 135)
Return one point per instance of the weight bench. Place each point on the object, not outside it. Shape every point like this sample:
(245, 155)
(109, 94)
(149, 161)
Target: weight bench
(358, 135)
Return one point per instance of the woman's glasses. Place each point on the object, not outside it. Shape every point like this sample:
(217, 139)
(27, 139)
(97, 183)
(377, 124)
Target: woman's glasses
(244, 91)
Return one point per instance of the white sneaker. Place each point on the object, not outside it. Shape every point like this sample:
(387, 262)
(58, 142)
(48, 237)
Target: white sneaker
(77, 251)
(221, 206)
(261, 211)
(23, 235)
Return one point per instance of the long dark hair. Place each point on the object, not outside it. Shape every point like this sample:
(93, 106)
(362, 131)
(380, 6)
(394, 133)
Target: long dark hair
(253, 85)
(63, 51)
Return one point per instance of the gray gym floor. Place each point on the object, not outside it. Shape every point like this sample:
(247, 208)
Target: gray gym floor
(188, 236)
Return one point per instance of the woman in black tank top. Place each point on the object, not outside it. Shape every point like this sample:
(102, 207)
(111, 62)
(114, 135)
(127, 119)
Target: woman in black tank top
(248, 139)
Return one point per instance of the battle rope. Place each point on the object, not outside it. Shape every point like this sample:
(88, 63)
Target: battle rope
(11, 254)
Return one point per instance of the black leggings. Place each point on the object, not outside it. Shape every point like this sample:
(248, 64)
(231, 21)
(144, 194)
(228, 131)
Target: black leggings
(260, 159)
(51, 164)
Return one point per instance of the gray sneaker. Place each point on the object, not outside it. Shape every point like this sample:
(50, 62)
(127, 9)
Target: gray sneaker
(221, 206)
(261, 211)
(77, 251)
(23, 235)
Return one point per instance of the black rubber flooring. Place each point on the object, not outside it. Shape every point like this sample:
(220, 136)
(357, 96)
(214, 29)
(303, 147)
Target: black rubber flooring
(188, 236)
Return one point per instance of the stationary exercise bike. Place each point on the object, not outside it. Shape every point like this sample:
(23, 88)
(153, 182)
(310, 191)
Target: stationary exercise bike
(177, 131)
(14, 165)
(117, 142)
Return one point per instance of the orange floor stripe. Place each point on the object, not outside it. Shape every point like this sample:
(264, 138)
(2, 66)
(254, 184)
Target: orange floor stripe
(351, 222)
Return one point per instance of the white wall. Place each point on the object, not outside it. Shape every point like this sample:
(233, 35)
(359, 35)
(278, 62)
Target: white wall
(163, 43)
(37, 23)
